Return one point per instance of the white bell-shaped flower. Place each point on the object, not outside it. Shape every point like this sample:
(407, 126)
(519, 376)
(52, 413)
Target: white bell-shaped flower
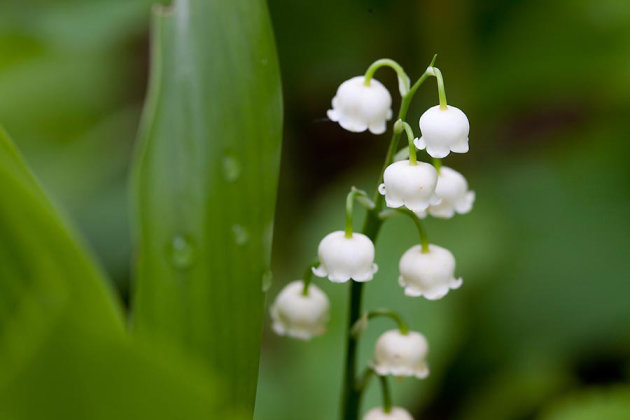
(297, 315)
(358, 107)
(429, 274)
(342, 258)
(396, 413)
(452, 190)
(409, 185)
(443, 131)
(401, 354)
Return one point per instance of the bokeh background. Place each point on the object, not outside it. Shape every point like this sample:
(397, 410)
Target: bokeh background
(541, 327)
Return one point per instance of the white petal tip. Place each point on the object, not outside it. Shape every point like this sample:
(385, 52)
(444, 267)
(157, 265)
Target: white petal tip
(319, 271)
(338, 279)
(439, 153)
(419, 143)
(461, 147)
(377, 130)
(423, 374)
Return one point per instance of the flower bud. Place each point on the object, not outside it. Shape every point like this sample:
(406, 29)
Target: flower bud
(300, 316)
(429, 274)
(443, 131)
(342, 258)
(396, 413)
(401, 354)
(409, 185)
(452, 190)
(358, 107)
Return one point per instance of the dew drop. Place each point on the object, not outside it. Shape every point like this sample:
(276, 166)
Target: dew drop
(181, 252)
(267, 279)
(231, 168)
(241, 236)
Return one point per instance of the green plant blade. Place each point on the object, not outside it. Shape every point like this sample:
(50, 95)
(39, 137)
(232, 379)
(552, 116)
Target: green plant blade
(612, 402)
(46, 276)
(64, 353)
(205, 185)
(81, 375)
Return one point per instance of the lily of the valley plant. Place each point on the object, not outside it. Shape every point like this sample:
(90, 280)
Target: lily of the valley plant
(408, 187)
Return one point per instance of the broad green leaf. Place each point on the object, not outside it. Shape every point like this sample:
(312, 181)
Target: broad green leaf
(79, 374)
(71, 84)
(205, 185)
(592, 404)
(63, 350)
(45, 274)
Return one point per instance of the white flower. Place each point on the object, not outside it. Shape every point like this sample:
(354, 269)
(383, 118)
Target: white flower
(409, 185)
(300, 316)
(443, 131)
(342, 259)
(401, 354)
(452, 189)
(358, 107)
(429, 274)
(396, 413)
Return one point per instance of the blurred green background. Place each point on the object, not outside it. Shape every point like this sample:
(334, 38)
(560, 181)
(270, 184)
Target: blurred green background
(541, 327)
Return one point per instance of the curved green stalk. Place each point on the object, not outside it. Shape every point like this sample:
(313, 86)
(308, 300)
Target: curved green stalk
(403, 79)
(424, 239)
(437, 163)
(403, 125)
(440, 84)
(386, 393)
(306, 279)
(402, 326)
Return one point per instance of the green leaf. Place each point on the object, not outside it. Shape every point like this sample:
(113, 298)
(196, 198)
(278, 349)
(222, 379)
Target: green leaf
(46, 275)
(79, 374)
(63, 350)
(205, 185)
(592, 404)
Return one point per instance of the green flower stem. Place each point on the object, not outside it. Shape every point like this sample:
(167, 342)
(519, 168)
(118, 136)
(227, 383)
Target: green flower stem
(401, 125)
(307, 278)
(437, 162)
(402, 326)
(354, 193)
(387, 395)
(361, 324)
(424, 239)
(389, 213)
(402, 76)
(440, 83)
(368, 374)
(363, 383)
(351, 396)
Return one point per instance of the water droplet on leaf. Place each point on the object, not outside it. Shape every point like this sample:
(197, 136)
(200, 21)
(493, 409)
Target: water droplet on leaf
(181, 252)
(267, 279)
(241, 236)
(231, 168)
